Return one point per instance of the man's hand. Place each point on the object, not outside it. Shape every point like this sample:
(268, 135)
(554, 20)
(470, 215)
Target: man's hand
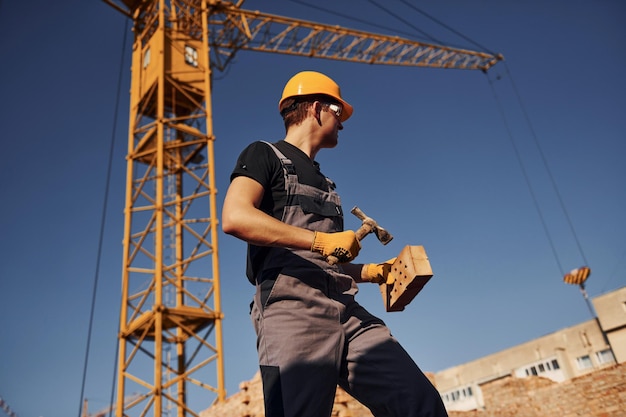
(378, 273)
(342, 245)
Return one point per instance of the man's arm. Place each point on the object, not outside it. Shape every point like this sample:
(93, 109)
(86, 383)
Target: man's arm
(377, 273)
(355, 271)
(242, 218)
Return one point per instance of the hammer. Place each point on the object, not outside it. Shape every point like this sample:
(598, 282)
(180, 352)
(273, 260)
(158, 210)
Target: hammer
(368, 226)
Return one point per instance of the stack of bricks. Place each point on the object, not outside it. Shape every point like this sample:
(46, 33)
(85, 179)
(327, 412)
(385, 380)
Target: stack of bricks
(598, 394)
(248, 402)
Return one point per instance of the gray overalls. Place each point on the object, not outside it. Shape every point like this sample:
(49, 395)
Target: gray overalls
(313, 335)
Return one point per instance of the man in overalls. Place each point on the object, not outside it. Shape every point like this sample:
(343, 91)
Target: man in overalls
(311, 333)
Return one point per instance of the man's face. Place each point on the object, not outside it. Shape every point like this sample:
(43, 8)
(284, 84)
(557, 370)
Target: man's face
(330, 123)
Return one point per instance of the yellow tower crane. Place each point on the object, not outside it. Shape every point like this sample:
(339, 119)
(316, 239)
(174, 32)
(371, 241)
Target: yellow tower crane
(170, 338)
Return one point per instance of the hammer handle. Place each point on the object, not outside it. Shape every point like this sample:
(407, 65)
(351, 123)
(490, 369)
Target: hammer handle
(361, 232)
(358, 213)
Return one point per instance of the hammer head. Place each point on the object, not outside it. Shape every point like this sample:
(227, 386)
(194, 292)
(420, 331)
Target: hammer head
(370, 226)
(383, 235)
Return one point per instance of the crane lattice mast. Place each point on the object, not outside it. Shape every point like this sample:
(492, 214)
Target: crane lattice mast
(170, 337)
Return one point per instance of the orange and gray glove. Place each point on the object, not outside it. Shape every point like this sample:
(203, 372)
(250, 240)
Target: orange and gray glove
(378, 273)
(342, 245)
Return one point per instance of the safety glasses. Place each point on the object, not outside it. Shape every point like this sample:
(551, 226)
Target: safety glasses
(334, 108)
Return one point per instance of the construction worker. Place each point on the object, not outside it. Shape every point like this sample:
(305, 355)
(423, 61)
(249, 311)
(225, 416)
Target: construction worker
(311, 333)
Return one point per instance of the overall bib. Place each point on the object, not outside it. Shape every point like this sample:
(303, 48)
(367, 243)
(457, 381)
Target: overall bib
(312, 335)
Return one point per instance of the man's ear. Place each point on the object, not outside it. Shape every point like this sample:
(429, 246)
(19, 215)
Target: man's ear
(316, 107)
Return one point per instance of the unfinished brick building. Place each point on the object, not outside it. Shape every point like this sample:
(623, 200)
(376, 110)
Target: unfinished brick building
(598, 394)
(577, 371)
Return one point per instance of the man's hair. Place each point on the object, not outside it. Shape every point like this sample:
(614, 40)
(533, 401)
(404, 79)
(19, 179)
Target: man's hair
(294, 109)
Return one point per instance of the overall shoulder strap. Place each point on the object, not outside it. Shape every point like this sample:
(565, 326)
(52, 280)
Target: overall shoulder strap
(288, 166)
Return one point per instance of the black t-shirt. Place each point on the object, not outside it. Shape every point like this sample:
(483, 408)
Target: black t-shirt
(259, 162)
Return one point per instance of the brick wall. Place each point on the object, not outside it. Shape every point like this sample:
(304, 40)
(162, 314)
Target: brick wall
(598, 394)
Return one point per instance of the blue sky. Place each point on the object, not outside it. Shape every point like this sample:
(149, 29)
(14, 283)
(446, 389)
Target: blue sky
(427, 153)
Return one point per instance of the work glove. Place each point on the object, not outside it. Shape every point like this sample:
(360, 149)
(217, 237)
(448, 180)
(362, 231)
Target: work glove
(342, 245)
(378, 273)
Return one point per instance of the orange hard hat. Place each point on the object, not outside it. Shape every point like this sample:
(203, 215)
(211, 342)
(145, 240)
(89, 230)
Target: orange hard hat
(307, 83)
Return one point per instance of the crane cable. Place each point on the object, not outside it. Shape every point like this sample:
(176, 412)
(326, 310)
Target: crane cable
(423, 13)
(545, 164)
(525, 175)
(354, 19)
(411, 35)
(412, 26)
(516, 150)
(102, 225)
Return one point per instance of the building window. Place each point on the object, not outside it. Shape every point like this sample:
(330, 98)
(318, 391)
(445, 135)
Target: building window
(605, 356)
(549, 366)
(584, 362)
(458, 394)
